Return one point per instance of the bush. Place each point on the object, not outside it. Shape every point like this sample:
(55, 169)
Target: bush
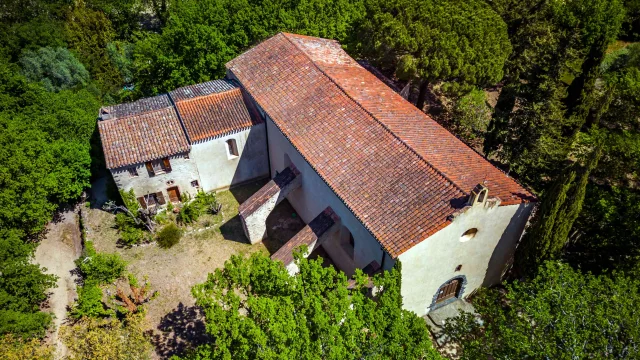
(169, 236)
(107, 338)
(90, 303)
(472, 114)
(99, 267)
(130, 232)
(16, 348)
(191, 211)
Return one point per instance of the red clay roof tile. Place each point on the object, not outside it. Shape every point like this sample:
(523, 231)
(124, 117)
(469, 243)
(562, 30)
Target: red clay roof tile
(141, 131)
(211, 109)
(387, 161)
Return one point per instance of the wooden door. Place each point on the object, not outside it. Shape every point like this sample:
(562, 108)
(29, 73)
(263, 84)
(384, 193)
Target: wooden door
(449, 290)
(174, 194)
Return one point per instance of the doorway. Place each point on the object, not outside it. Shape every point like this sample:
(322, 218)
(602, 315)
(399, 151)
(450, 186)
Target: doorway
(174, 194)
(450, 289)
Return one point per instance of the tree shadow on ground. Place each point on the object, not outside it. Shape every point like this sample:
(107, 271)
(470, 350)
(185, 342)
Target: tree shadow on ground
(181, 330)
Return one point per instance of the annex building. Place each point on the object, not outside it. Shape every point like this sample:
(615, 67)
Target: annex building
(375, 179)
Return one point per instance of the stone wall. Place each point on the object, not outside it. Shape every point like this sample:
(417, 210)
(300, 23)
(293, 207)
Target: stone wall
(183, 172)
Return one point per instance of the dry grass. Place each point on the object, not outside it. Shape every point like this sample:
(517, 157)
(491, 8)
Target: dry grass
(173, 272)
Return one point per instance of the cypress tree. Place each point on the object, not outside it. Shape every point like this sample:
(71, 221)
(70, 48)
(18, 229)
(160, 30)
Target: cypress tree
(557, 213)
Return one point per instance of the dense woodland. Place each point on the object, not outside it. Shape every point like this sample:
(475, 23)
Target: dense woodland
(565, 123)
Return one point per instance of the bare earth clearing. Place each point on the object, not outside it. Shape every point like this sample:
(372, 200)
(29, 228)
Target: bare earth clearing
(56, 252)
(176, 324)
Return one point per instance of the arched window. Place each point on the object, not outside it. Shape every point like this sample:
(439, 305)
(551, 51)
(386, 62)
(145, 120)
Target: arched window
(232, 148)
(451, 289)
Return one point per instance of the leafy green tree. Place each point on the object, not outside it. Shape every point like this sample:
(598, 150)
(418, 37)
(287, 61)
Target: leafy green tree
(201, 36)
(88, 33)
(462, 42)
(255, 310)
(631, 24)
(560, 314)
(472, 114)
(44, 149)
(600, 22)
(56, 68)
(23, 287)
(559, 209)
(43, 30)
(606, 232)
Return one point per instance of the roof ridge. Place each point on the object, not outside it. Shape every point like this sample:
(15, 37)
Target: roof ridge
(170, 106)
(371, 115)
(199, 97)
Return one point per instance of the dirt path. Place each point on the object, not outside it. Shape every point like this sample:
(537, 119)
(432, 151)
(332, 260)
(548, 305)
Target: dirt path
(57, 252)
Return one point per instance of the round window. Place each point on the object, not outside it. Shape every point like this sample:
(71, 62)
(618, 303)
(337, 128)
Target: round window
(469, 234)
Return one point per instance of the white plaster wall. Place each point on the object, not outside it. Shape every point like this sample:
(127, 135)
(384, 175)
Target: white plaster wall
(314, 195)
(431, 263)
(183, 172)
(218, 171)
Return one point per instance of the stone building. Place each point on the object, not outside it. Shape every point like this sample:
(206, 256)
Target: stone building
(374, 178)
(200, 137)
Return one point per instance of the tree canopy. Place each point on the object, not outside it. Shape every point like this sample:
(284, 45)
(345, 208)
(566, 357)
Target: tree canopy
(461, 42)
(560, 314)
(255, 310)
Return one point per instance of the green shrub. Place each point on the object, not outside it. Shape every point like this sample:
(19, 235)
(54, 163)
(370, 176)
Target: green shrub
(191, 211)
(100, 267)
(130, 232)
(169, 236)
(472, 114)
(90, 302)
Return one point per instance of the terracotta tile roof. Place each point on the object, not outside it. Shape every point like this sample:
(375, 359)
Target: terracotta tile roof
(307, 236)
(141, 131)
(135, 108)
(211, 109)
(359, 137)
(435, 144)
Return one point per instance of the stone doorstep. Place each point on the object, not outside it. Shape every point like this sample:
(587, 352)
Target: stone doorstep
(437, 318)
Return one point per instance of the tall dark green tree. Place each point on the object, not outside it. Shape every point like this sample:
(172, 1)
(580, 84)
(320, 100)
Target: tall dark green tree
(462, 42)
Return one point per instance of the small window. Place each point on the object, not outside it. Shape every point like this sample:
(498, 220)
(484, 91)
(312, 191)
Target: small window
(195, 184)
(232, 148)
(482, 195)
(149, 200)
(157, 167)
(468, 235)
(186, 156)
(170, 182)
(133, 172)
